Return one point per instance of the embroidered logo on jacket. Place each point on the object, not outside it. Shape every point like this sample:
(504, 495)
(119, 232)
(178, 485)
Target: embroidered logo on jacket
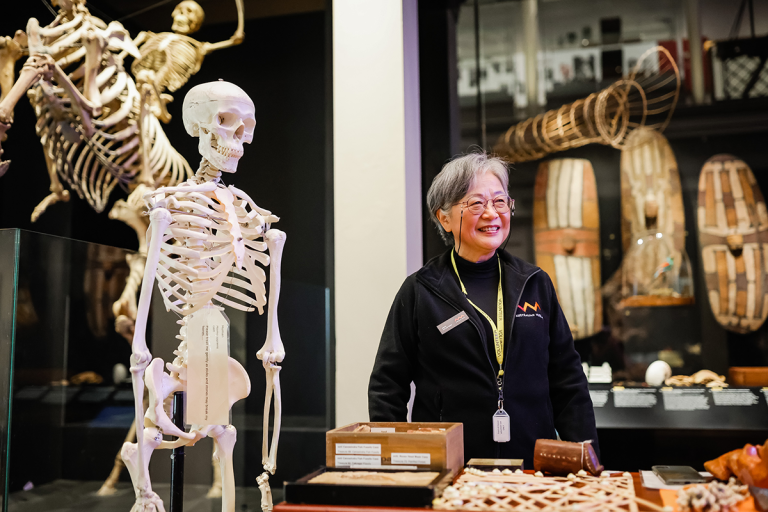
(525, 309)
(535, 308)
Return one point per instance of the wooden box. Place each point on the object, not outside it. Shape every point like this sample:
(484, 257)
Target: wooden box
(748, 376)
(366, 494)
(390, 444)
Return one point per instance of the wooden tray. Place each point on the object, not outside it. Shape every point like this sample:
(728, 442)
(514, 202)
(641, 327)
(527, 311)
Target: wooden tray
(733, 231)
(303, 492)
(566, 227)
(395, 446)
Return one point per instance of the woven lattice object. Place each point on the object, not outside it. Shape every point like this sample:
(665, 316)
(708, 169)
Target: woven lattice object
(740, 70)
(524, 492)
(647, 97)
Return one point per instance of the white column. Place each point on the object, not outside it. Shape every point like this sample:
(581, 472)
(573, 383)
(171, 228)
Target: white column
(531, 37)
(693, 20)
(377, 176)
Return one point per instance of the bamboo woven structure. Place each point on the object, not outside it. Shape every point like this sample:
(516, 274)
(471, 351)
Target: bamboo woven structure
(525, 492)
(647, 97)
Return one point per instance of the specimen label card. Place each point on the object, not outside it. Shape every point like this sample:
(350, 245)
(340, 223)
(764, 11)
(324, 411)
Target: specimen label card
(357, 460)
(411, 458)
(207, 368)
(358, 448)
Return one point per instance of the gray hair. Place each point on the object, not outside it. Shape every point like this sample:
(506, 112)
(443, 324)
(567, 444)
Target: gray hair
(456, 178)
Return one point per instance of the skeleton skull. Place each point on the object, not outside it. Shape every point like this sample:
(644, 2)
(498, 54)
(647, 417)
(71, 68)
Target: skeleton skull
(187, 17)
(223, 117)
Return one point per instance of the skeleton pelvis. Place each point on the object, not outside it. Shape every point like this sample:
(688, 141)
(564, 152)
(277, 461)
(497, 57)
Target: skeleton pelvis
(161, 385)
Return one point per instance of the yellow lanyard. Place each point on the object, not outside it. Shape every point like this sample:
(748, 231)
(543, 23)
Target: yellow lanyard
(498, 327)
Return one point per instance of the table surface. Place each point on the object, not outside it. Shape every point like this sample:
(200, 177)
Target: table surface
(641, 492)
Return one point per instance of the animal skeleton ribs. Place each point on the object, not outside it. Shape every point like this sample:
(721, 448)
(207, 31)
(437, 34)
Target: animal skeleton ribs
(219, 235)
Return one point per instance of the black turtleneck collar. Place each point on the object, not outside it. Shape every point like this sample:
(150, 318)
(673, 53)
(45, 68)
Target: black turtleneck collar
(487, 268)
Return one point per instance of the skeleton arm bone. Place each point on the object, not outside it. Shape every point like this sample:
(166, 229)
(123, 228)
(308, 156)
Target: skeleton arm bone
(236, 38)
(10, 51)
(273, 350)
(36, 67)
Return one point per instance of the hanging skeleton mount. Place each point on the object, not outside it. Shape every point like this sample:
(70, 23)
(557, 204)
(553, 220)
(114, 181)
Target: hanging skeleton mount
(208, 246)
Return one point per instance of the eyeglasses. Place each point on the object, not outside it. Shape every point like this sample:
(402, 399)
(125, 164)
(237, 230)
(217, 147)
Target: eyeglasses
(477, 205)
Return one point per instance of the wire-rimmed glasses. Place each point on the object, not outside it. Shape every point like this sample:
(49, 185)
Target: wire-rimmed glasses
(477, 205)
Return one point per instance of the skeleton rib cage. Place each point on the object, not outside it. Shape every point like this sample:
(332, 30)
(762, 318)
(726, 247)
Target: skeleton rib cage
(187, 58)
(205, 267)
(92, 164)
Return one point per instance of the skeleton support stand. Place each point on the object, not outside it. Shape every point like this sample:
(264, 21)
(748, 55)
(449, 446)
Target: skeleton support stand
(177, 458)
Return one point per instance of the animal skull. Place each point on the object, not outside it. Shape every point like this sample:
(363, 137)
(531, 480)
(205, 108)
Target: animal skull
(223, 117)
(187, 17)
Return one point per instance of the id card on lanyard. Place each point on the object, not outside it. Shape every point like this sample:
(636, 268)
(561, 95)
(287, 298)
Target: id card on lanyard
(500, 417)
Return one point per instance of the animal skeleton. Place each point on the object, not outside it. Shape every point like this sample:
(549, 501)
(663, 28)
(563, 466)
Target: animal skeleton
(88, 111)
(647, 97)
(220, 235)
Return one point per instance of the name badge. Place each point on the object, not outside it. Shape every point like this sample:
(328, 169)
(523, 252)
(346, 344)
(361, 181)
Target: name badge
(501, 426)
(452, 322)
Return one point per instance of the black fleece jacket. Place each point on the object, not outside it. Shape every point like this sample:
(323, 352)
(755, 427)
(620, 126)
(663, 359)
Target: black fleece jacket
(544, 385)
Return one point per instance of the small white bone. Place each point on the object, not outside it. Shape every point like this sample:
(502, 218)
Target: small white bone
(266, 492)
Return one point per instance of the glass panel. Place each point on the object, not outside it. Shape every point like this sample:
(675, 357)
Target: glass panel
(582, 48)
(8, 274)
(71, 398)
(72, 395)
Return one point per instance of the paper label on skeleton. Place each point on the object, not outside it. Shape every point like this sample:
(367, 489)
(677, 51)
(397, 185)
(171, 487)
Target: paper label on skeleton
(350, 460)
(411, 458)
(452, 322)
(383, 430)
(501, 426)
(358, 448)
(207, 368)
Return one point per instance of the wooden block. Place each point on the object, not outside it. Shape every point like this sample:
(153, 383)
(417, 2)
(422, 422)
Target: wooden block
(746, 187)
(722, 274)
(709, 205)
(741, 303)
(443, 449)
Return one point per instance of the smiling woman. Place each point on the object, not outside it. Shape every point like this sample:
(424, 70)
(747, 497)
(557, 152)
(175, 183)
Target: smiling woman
(535, 384)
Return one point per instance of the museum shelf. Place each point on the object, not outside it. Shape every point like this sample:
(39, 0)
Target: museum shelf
(680, 408)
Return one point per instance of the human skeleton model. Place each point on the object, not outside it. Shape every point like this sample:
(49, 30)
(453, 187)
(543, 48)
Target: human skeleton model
(219, 235)
(168, 60)
(98, 127)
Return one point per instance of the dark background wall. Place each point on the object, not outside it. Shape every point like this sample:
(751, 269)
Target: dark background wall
(282, 66)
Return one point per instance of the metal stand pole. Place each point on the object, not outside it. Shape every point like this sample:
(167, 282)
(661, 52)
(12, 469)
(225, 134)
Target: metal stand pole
(177, 457)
